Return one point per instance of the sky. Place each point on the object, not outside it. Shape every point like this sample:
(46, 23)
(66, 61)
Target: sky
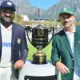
(43, 4)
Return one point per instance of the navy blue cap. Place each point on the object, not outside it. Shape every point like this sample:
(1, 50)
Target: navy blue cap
(8, 4)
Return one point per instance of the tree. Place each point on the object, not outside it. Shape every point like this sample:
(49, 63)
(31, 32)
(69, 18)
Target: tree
(17, 18)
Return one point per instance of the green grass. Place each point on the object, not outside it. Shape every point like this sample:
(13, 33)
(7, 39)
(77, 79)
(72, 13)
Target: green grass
(32, 50)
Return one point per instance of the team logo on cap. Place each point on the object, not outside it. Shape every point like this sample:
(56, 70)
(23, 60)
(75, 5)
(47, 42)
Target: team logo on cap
(65, 9)
(9, 3)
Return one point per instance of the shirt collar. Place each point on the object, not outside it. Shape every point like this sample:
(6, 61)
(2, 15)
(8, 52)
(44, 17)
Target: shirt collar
(9, 28)
(74, 30)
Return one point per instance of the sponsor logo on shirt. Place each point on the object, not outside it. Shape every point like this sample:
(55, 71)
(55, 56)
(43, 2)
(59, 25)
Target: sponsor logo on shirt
(6, 44)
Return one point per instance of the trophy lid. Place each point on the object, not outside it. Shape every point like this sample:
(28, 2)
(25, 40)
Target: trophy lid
(40, 27)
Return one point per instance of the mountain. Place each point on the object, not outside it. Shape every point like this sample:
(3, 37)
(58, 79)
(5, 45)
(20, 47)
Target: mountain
(32, 11)
(53, 11)
(25, 8)
(18, 1)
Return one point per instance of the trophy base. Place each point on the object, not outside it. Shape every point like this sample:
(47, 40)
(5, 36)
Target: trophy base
(39, 58)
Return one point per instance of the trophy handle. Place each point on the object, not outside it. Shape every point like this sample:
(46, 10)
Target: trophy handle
(28, 28)
(52, 35)
(29, 38)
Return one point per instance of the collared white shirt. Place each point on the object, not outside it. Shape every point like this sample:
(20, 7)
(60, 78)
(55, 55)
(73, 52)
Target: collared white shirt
(6, 46)
(70, 36)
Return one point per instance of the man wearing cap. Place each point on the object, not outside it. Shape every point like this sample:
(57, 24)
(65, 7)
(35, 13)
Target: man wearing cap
(66, 47)
(13, 45)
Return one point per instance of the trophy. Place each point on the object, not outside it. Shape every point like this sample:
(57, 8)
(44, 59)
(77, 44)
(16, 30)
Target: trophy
(39, 37)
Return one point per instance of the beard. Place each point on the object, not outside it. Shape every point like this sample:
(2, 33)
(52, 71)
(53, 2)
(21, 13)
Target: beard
(7, 19)
(68, 24)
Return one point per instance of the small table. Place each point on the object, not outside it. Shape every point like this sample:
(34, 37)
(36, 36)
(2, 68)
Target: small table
(37, 72)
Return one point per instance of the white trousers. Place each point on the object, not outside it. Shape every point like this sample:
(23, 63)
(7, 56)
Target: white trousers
(6, 74)
(75, 77)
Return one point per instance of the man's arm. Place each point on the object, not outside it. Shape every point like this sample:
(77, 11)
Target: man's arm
(23, 51)
(54, 53)
(55, 57)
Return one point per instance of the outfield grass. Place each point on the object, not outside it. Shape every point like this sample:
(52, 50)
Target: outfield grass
(32, 50)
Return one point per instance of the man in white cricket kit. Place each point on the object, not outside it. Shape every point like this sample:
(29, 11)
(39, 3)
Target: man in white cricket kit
(13, 45)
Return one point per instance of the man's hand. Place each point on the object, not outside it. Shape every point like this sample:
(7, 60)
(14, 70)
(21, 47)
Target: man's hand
(19, 64)
(62, 68)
